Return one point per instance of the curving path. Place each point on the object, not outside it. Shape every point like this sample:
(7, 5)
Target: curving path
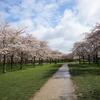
(59, 87)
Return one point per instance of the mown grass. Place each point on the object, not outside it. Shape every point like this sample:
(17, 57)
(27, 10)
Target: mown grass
(87, 80)
(22, 84)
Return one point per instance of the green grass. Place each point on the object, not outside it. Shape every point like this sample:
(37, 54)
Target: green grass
(22, 84)
(87, 80)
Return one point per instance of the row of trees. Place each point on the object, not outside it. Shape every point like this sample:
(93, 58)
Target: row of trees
(16, 46)
(89, 48)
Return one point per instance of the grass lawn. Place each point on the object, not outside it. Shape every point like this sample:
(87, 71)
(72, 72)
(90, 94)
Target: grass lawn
(87, 80)
(22, 84)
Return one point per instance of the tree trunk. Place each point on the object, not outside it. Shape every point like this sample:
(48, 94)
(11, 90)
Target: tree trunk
(89, 59)
(4, 64)
(55, 61)
(39, 61)
(34, 60)
(12, 56)
(96, 58)
(21, 62)
(83, 60)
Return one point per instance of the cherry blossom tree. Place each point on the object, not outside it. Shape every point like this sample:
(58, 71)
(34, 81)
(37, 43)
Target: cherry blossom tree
(16, 46)
(89, 49)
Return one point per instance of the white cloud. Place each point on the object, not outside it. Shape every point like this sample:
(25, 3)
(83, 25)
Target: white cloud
(67, 31)
(72, 24)
(61, 30)
(89, 11)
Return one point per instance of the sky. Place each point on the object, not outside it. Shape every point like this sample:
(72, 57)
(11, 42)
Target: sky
(59, 22)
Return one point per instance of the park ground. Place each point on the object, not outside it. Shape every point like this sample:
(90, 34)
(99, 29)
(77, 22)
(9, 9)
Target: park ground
(86, 77)
(23, 84)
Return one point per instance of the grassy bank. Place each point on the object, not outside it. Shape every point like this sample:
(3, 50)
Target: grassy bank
(87, 81)
(22, 84)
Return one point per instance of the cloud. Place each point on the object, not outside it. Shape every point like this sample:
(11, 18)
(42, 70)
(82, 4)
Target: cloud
(60, 22)
(64, 34)
(88, 11)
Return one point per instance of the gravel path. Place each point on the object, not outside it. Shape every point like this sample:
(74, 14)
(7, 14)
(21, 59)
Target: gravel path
(59, 87)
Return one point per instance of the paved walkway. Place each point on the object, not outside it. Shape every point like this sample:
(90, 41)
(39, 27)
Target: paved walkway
(59, 87)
